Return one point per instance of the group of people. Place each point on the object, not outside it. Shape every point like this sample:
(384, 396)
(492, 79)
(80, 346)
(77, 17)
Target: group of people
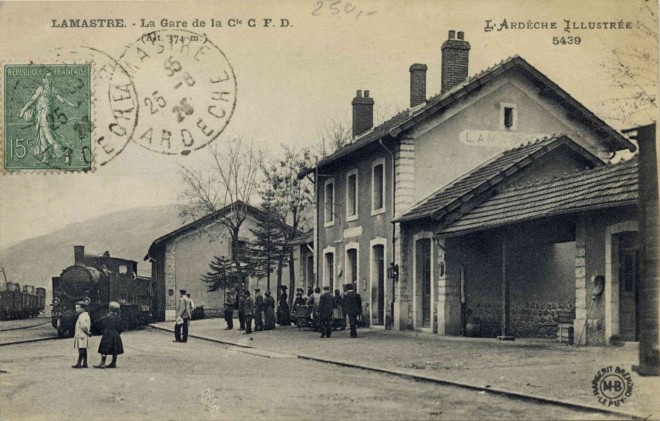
(260, 309)
(328, 308)
(111, 343)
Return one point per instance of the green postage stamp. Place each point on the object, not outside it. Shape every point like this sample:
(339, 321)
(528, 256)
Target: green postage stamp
(47, 117)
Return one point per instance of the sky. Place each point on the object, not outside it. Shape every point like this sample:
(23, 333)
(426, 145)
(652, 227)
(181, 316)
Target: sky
(293, 81)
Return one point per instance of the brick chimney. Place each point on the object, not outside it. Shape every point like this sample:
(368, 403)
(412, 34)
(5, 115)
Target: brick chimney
(417, 84)
(455, 55)
(363, 113)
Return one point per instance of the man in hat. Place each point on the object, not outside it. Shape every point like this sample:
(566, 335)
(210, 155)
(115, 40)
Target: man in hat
(258, 310)
(182, 318)
(325, 306)
(82, 334)
(239, 305)
(229, 310)
(248, 311)
(352, 305)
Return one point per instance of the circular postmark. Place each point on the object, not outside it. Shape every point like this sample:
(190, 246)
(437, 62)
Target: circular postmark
(612, 386)
(115, 106)
(186, 88)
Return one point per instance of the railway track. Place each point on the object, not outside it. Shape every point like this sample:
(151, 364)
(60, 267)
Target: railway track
(16, 333)
(27, 341)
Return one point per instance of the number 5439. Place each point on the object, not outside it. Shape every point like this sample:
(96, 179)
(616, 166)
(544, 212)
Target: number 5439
(566, 40)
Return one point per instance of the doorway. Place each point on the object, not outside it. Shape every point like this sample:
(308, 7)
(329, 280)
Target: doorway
(628, 271)
(423, 277)
(378, 256)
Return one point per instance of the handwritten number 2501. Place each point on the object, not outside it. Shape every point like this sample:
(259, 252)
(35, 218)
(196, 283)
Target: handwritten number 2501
(337, 7)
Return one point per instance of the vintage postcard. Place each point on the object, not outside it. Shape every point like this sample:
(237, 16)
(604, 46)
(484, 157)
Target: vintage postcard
(329, 209)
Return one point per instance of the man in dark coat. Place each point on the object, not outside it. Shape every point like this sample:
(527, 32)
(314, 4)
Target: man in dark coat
(239, 305)
(258, 310)
(248, 311)
(229, 310)
(352, 305)
(325, 306)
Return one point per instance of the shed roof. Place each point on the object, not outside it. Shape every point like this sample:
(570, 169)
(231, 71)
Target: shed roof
(603, 187)
(198, 223)
(409, 117)
(489, 174)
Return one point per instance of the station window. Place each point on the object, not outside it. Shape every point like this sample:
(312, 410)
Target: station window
(508, 116)
(329, 203)
(352, 196)
(378, 187)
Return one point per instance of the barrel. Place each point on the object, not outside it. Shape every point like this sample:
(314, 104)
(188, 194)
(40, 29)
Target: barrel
(473, 327)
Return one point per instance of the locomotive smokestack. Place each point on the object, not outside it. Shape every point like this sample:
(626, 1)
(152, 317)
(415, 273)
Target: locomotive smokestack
(78, 255)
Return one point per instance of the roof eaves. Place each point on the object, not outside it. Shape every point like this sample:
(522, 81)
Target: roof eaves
(442, 233)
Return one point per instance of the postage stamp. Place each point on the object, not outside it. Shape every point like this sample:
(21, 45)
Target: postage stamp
(47, 117)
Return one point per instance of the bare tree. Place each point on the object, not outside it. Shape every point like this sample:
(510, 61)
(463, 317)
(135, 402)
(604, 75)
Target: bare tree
(292, 199)
(633, 72)
(229, 183)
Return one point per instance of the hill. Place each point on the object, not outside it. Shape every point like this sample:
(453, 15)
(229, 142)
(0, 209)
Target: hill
(127, 234)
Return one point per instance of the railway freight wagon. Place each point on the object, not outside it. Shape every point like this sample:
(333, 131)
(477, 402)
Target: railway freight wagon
(98, 280)
(17, 304)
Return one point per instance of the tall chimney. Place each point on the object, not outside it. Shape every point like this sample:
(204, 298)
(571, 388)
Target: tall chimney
(455, 55)
(78, 255)
(363, 113)
(417, 84)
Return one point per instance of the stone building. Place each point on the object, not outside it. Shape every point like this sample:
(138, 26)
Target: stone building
(366, 190)
(180, 258)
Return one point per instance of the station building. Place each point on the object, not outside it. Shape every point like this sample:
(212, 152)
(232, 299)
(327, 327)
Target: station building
(387, 201)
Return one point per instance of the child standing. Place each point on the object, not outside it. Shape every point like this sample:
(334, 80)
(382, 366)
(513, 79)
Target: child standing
(111, 343)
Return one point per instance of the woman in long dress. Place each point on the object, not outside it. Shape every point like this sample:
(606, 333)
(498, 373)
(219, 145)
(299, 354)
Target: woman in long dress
(283, 313)
(111, 343)
(39, 107)
(269, 312)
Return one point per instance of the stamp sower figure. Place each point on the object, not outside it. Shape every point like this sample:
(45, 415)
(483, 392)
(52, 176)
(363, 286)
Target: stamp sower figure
(269, 311)
(40, 106)
(182, 318)
(81, 334)
(248, 311)
(352, 307)
(283, 313)
(258, 310)
(111, 343)
(326, 304)
(229, 310)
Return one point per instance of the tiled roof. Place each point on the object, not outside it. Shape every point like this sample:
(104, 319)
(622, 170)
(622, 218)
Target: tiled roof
(603, 187)
(411, 116)
(488, 174)
(210, 218)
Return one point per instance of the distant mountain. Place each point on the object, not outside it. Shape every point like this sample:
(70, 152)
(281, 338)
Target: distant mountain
(127, 234)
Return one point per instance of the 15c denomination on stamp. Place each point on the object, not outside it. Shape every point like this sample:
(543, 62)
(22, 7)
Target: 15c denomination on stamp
(186, 88)
(47, 117)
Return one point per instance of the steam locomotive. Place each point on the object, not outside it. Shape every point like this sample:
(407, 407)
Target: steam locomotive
(98, 280)
(17, 304)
